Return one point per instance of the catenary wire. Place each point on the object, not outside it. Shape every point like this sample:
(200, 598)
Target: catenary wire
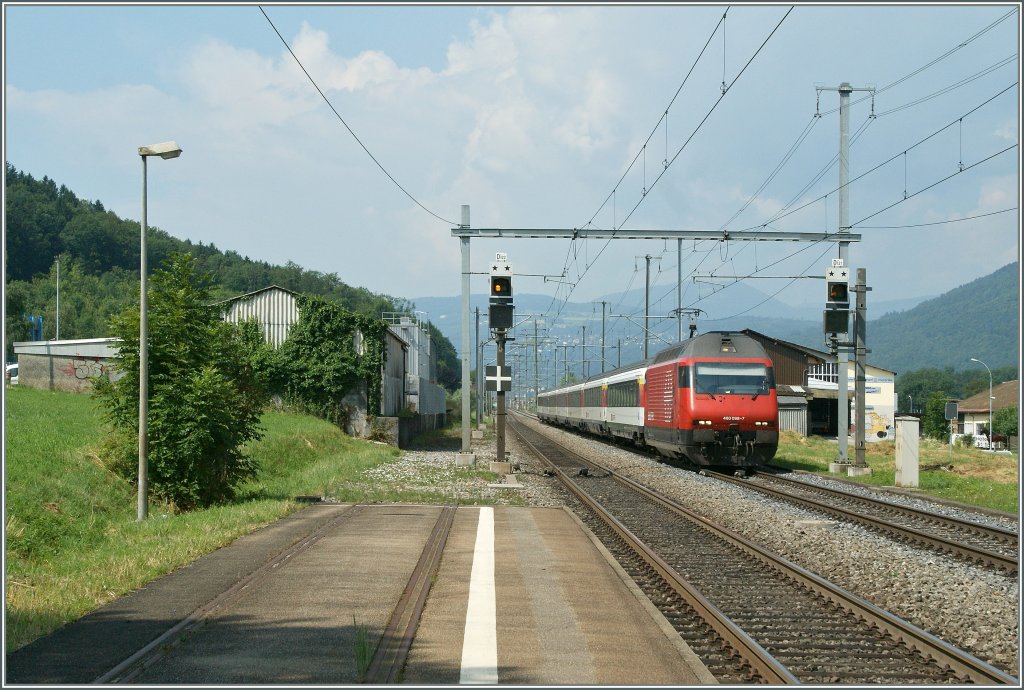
(354, 135)
(864, 126)
(938, 222)
(680, 150)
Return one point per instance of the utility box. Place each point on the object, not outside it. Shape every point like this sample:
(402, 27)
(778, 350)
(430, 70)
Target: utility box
(907, 455)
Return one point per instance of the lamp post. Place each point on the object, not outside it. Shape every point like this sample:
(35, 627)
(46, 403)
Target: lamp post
(167, 149)
(991, 433)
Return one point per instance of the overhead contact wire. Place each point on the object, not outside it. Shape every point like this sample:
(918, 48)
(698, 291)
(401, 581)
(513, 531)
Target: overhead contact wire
(350, 131)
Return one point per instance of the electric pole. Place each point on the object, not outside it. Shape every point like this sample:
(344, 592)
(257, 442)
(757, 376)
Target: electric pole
(479, 376)
(844, 90)
(602, 303)
(647, 303)
(583, 366)
(860, 358)
(536, 369)
(679, 291)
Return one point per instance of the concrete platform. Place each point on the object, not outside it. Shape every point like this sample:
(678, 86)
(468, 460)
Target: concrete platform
(524, 596)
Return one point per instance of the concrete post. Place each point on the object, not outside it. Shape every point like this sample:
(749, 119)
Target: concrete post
(907, 454)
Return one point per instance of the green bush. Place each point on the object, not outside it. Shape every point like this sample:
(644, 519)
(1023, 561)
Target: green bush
(933, 422)
(206, 392)
(330, 352)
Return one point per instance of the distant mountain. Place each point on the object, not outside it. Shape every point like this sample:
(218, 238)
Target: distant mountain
(980, 319)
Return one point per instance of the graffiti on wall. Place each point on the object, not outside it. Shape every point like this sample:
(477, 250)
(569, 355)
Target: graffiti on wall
(84, 368)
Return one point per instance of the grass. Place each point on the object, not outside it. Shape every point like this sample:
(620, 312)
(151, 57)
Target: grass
(72, 539)
(966, 475)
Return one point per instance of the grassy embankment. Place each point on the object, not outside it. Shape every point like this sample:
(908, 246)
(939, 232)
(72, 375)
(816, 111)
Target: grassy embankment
(967, 475)
(72, 539)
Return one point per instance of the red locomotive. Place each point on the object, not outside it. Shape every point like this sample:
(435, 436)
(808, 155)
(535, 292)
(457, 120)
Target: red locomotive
(709, 401)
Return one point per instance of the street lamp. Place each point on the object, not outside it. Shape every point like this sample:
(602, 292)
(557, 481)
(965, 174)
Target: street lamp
(991, 433)
(167, 149)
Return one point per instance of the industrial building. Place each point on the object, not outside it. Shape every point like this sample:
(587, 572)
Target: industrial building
(807, 383)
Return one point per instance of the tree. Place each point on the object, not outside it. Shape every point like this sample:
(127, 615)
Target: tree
(919, 384)
(206, 393)
(1004, 422)
(934, 423)
(449, 367)
(329, 353)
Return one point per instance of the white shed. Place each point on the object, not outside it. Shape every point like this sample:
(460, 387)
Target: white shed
(275, 307)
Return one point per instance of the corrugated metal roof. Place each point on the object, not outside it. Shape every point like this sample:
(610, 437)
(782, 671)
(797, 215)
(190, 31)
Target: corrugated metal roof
(249, 295)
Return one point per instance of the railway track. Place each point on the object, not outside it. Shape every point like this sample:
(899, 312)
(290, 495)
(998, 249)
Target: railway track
(783, 623)
(988, 546)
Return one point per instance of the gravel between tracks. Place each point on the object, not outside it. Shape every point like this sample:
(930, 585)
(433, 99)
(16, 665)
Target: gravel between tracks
(967, 606)
(970, 607)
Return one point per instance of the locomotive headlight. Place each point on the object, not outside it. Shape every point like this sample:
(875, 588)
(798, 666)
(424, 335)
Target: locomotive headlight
(765, 424)
(704, 422)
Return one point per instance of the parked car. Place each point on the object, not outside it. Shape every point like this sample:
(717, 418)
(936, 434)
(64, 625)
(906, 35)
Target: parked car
(11, 374)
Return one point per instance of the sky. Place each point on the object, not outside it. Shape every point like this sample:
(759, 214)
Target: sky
(657, 117)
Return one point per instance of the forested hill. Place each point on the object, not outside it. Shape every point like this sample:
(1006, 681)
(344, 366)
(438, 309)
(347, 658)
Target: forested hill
(980, 319)
(45, 221)
(99, 268)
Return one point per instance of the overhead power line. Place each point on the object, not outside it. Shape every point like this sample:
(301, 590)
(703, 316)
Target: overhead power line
(902, 153)
(668, 162)
(938, 222)
(342, 120)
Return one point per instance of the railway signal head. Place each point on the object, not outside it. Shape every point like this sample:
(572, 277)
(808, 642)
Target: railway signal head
(837, 321)
(501, 288)
(837, 286)
(500, 315)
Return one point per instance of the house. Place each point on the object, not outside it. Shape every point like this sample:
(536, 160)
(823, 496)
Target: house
(807, 384)
(973, 412)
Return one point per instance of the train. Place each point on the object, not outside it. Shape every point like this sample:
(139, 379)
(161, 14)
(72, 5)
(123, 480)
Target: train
(709, 401)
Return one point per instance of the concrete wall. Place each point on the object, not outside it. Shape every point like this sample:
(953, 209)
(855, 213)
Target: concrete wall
(399, 431)
(66, 365)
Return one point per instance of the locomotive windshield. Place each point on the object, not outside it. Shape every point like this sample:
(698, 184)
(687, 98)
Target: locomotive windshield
(719, 378)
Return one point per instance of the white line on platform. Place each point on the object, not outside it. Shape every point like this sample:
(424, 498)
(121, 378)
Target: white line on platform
(480, 641)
